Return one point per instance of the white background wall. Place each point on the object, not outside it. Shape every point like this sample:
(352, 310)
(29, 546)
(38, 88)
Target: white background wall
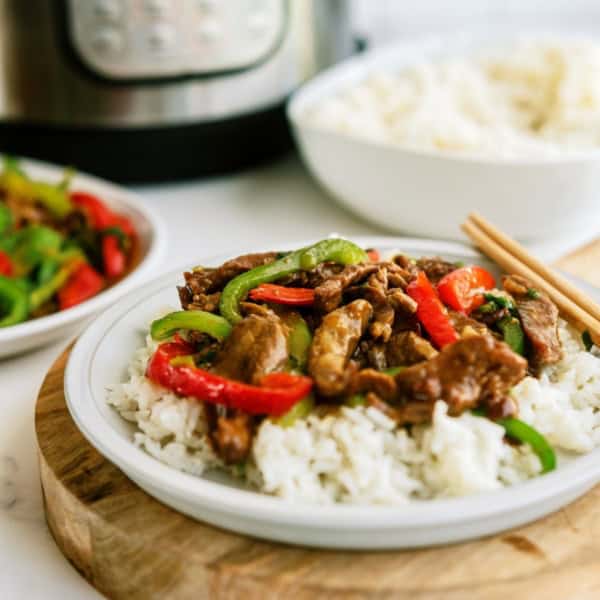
(383, 20)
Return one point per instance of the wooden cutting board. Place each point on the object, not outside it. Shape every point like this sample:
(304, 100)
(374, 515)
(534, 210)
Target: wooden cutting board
(128, 545)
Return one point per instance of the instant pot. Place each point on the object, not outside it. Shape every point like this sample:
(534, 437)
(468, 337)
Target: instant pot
(143, 90)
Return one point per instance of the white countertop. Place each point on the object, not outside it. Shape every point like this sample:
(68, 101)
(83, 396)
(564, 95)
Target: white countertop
(268, 206)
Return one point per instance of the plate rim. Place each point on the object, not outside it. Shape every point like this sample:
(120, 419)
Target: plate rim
(582, 470)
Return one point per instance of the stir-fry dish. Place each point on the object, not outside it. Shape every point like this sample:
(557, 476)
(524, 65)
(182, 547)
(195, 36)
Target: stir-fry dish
(57, 247)
(330, 374)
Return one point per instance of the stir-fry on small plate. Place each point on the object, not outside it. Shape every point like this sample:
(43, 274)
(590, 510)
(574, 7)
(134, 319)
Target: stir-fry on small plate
(70, 244)
(332, 396)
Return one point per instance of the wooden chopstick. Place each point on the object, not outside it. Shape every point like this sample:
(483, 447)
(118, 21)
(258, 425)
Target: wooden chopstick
(555, 279)
(512, 264)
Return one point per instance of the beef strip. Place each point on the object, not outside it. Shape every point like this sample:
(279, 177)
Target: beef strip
(400, 301)
(406, 348)
(409, 414)
(334, 343)
(328, 295)
(474, 371)
(206, 302)
(435, 268)
(539, 317)
(314, 277)
(202, 284)
(383, 320)
(387, 301)
(256, 346)
(230, 433)
(207, 347)
(375, 355)
(466, 326)
(370, 380)
(406, 263)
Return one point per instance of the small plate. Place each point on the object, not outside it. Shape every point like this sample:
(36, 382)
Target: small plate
(101, 356)
(152, 244)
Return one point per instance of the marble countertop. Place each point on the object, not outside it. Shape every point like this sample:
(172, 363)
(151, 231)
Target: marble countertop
(277, 204)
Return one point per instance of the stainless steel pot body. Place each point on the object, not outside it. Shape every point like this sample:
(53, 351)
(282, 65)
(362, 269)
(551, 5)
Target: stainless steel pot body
(138, 63)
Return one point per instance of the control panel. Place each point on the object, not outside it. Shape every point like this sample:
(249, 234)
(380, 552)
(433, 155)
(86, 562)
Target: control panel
(141, 39)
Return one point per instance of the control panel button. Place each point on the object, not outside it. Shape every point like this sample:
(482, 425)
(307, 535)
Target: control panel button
(107, 40)
(161, 38)
(137, 39)
(108, 10)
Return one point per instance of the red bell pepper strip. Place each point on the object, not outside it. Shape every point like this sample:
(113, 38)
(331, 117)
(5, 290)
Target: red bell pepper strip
(124, 224)
(275, 395)
(460, 289)
(99, 215)
(373, 255)
(84, 283)
(113, 257)
(431, 313)
(279, 294)
(6, 266)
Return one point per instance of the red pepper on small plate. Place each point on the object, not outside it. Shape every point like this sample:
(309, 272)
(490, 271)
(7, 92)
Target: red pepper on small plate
(279, 294)
(113, 257)
(431, 313)
(6, 266)
(84, 283)
(460, 289)
(275, 395)
(101, 216)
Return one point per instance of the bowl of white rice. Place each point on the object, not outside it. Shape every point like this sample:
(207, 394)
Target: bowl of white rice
(416, 135)
(349, 480)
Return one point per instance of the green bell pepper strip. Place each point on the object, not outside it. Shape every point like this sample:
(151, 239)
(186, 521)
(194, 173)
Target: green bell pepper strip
(44, 292)
(195, 320)
(300, 410)
(14, 305)
(513, 334)
(500, 300)
(33, 244)
(338, 250)
(54, 197)
(522, 432)
(393, 371)
(299, 342)
(6, 219)
(356, 401)
(46, 270)
(519, 430)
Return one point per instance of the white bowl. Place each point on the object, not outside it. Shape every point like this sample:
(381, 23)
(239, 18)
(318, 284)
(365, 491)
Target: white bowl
(431, 193)
(152, 244)
(100, 359)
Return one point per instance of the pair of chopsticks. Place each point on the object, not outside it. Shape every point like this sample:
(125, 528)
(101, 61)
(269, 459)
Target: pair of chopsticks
(574, 305)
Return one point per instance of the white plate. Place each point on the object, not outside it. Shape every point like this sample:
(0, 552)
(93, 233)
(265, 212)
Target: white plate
(430, 193)
(100, 358)
(152, 240)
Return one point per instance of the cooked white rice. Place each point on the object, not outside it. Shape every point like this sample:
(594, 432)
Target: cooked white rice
(359, 456)
(539, 97)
